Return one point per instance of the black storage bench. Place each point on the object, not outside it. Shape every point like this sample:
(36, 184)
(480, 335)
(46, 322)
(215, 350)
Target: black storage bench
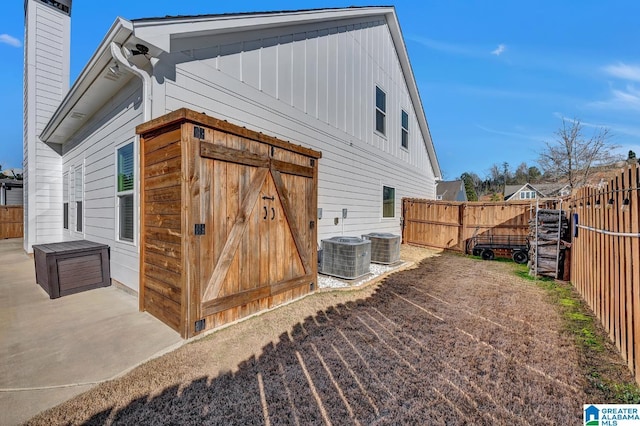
(71, 267)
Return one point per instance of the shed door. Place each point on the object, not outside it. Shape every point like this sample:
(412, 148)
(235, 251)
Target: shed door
(258, 240)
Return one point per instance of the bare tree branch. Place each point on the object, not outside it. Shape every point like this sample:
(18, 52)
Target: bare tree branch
(572, 156)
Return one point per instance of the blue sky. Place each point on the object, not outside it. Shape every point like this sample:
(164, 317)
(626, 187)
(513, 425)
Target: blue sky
(495, 77)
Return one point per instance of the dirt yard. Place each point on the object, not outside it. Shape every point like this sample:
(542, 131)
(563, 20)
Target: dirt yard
(453, 341)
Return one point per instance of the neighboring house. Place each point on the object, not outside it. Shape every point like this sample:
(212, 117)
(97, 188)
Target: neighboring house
(337, 81)
(539, 190)
(451, 191)
(10, 192)
(521, 192)
(551, 190)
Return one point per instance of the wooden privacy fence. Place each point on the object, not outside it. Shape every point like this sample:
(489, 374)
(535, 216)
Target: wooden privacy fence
(11, 222)
(606, 259)
(449, 224)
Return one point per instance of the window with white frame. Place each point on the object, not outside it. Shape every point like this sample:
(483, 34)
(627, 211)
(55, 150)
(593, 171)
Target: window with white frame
(404, 137)
(124, 192)
(381, 110)
(65, 200)
(526, 195)
(388, 201)
(79, 198)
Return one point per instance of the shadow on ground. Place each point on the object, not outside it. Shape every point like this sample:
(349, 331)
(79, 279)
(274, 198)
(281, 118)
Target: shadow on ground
(439, 344)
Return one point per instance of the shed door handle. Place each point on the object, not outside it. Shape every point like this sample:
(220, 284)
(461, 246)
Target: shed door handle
(273, 213)
(265, 212)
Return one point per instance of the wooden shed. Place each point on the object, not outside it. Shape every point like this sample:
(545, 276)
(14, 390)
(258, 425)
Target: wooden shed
(228, 221)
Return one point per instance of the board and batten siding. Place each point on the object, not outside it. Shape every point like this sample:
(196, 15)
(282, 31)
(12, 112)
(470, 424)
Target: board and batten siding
(94, 148)
(315, 86)
(46, 82)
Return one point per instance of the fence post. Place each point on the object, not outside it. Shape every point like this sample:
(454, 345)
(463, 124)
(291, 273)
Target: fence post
(462, 208)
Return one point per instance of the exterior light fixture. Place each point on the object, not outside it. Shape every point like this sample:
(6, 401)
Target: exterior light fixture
(597, 205)
(115, 69)
(588, 204)
(610, 203)
(625, 205)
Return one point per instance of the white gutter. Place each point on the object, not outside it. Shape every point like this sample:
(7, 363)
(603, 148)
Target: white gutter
(119, 57)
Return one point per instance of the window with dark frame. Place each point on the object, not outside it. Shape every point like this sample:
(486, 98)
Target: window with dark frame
(405, 129)
(79, 193)
(381, 110)
(388, 201)
(65, 200)
(125, 193)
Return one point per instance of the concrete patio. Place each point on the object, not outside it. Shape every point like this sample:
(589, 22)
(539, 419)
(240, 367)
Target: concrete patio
(52, 350)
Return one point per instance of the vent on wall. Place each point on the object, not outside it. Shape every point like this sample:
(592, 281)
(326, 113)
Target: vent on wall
(345, 257)
(385, 247)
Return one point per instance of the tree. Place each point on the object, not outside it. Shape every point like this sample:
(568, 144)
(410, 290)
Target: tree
(534, 174)
(469, 186)
(521, 175)
(572, 155)
(506, 173)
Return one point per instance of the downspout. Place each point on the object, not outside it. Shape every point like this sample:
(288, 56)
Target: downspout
(121, 59)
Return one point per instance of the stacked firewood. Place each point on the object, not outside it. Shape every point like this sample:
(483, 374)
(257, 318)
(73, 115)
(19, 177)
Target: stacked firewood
(546, 256)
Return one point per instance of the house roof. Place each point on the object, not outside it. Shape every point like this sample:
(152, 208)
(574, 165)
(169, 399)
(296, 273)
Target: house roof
(235, 14)
(550, 189)
(448, 190)
(96, 84)
(542, 189)
(11, 183)
(510, 190)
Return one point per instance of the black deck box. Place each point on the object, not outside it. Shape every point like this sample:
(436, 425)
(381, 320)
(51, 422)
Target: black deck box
(71, 267)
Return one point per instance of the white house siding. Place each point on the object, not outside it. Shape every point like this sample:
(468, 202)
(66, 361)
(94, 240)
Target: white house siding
(46, 82)
(94, 148)
(13, 196)
(315, 86)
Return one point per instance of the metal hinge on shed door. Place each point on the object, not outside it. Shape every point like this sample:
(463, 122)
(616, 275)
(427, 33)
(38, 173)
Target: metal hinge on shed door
(200, 324)
(199, 229)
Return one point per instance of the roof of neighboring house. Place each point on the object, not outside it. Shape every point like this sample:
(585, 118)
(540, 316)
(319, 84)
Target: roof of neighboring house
(164, 35)
(511, 190)
(550, 189)
(542, 189)
(11, 183)
(448, 190)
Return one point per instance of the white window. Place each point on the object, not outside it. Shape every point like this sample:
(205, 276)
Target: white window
(124, 193)
(65, 200)
(381, 110)
(526, 195)
(404, 137)
(79, 196)
(388, 201)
